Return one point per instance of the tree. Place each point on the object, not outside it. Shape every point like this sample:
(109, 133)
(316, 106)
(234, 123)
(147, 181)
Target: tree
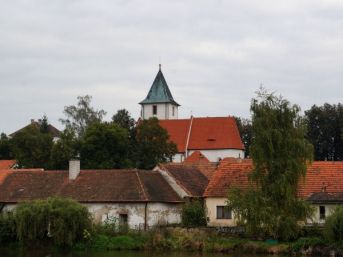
(153, 145)
(44, 124)
(104, 146)
(245, 130)
(81, 115)
(325, 131)
(280, 154)
(64, 149)
(123, 119)
(193, 214)
(5, 150)
(31, 147)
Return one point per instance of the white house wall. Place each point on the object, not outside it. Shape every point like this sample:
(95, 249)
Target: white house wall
(214, 155)
(329, 208)
(157, 213)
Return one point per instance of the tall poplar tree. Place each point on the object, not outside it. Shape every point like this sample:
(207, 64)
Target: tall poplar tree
(280, 154)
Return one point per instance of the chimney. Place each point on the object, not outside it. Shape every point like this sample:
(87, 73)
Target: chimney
(74, 169)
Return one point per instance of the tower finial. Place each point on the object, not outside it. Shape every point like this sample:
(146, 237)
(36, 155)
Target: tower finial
(159, 66)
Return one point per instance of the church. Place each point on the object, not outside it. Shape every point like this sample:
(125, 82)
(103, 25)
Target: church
(214, 137)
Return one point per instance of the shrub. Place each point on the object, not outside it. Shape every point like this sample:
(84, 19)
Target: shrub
(7, 228)
(333, 229)
(61, 220)
(304, 243)
(193, 214)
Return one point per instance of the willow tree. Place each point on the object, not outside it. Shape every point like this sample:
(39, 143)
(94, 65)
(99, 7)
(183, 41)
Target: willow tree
(280, 154)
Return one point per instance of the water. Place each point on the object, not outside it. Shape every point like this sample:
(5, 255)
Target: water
(47, 253)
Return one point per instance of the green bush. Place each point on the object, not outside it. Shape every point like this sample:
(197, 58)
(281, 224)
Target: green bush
(63, 221)
(333, 229)
(193, 214)
(7, 228)
(304, 243)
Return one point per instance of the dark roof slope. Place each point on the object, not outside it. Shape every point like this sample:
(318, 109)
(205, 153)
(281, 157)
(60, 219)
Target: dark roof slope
(89, 186)
(54, 132)
(159, 91)
(189, 177)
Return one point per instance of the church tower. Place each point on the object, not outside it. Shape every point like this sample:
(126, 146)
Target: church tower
(159, 102)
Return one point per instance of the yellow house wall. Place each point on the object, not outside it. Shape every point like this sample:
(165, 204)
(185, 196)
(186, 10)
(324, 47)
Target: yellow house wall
(211, 208)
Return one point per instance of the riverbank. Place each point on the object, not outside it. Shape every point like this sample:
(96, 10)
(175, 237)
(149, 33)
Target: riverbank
(177, 239)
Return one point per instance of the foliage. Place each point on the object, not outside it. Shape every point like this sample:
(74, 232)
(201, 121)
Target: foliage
(5, 149)
(7, 228)
(31, 147)
(123, 119)
(304, 243)
(280, 153)
(245, 130)
(153, 144)
(60, 220)
(65, 149)
(325, 131)
(333, 230)
(104, 146)
(44, 124)
(193, 214)
(81, 115)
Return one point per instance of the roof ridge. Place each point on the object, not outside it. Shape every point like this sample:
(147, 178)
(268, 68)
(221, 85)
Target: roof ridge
(142, 186)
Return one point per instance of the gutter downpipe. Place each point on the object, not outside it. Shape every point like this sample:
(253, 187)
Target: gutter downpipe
(188, 136)
(145, 216)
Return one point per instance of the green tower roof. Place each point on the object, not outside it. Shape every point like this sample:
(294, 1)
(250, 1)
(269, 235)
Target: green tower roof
(159, 91)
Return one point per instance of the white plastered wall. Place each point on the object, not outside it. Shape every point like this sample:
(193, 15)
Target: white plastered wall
(214, 155)
(211, 208)
(164, 111)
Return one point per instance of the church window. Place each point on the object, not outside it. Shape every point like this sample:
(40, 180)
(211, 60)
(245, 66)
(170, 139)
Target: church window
(322, 212)
(173, 111)
(154, 109)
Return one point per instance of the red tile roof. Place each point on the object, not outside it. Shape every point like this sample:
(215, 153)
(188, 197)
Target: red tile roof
(6, 164)
(89, 186)
(189, 177)
(321, 177)
(197, 157)
(204, 133)
(230, 173)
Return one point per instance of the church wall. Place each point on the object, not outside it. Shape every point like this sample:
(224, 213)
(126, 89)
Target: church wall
(164, 111)
(213, 155)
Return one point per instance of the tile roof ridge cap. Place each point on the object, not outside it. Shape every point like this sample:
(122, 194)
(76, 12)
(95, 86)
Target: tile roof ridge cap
(142, 186)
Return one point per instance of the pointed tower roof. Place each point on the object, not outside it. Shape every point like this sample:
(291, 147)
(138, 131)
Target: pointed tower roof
(159, 91)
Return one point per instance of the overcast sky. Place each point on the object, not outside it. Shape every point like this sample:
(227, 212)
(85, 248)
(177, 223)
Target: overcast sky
(214, 54)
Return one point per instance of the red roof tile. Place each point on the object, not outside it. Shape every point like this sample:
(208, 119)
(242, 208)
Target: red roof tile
(320, 177)
(196, 157)
(204, 133)
(230, 173)
(178, 132)
(6, 164)
(89, 186)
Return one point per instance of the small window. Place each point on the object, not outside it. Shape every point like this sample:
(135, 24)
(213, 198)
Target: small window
(223, 212)
(322, 212)
(122, 219)
(173, 111)
(154, 109)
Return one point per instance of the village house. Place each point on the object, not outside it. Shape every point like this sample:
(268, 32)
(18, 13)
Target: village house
(215, 137)
(322, 187)
(54, 132)
(7, 164)
(138, 198)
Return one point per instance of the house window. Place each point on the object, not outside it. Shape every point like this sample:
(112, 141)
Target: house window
(223, 212)
(322, 212)
(154, 109)
(173, 111)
